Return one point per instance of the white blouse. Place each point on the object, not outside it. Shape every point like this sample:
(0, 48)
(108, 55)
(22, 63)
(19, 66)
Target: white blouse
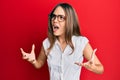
(62, 64)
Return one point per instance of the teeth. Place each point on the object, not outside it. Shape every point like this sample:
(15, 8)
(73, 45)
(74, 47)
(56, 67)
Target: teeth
(56, 27)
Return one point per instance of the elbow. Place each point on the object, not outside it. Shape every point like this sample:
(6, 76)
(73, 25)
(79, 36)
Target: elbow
(37, 65)
(101, 71)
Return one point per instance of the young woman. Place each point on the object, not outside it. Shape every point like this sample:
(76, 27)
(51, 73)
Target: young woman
(65, 47)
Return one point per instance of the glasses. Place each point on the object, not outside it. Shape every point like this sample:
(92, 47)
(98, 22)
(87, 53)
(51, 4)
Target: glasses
(60, 18)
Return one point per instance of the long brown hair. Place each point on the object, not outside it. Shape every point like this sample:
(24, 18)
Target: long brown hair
(72, 25)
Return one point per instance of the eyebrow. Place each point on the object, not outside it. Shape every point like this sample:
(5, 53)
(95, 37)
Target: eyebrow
(58, 14)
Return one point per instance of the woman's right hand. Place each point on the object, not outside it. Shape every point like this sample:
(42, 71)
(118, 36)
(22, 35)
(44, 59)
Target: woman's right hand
(29, 56)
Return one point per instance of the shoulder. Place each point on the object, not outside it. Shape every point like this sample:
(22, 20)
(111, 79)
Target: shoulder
(46, 43)
(79, 39)
(45, 40)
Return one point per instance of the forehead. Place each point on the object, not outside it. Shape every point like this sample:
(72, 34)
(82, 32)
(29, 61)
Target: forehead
(59, 11)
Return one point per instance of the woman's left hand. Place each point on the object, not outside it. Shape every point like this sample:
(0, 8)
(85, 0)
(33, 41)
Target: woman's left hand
(90, 65)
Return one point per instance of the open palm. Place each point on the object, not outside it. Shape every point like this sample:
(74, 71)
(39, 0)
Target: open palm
(90, 63)
(29, 56)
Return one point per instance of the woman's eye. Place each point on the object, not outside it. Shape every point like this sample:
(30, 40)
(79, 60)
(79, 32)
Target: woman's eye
(61, 17)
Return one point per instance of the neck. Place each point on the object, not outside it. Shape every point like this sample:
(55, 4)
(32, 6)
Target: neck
(61, 39)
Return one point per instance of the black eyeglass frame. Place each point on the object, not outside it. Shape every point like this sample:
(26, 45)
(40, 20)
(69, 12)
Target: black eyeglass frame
(60, 18)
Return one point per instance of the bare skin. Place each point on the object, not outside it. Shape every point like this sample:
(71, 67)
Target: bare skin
(93, 64)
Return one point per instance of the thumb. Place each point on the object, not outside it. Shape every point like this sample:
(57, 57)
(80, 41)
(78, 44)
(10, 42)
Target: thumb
(22, 51)
(24, 54)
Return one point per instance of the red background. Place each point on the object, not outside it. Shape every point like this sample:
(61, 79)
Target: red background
(24, 22)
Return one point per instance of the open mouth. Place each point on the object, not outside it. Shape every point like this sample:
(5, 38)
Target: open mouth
(55, 28)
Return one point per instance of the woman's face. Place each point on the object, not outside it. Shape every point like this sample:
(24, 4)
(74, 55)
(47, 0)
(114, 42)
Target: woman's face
(58, 22)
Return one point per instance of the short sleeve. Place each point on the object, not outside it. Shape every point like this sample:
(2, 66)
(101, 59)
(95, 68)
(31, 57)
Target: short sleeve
(46, 44)
(85, 41)
(82, 41)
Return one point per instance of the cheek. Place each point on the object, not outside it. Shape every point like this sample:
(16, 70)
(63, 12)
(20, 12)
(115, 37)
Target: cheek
(64, 29)
(62, 26)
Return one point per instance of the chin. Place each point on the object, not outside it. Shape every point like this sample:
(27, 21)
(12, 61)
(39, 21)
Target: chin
(55, 34)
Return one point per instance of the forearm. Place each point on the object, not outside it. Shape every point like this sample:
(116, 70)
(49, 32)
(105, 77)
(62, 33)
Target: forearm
(40, 60)
(38, 64)
(99, 69)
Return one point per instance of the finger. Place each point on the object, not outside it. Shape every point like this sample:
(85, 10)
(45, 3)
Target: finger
(82, 64)
(93, 54)
(22, 51)
(31, 60)
(25, 57)
(86, 65)
(94, 50)
(33, 48)
(77, 63)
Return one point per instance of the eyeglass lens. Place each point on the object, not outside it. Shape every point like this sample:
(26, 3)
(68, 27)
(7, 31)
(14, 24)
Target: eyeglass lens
(59, 17)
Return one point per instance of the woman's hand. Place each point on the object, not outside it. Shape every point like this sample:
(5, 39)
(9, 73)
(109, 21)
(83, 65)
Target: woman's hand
(90, 65)
(29, 56)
